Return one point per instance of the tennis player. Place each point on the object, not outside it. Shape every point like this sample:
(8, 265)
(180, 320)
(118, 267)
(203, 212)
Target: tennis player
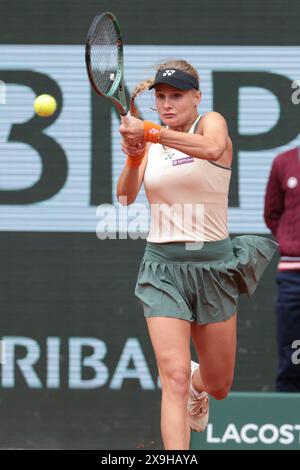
(192, 272)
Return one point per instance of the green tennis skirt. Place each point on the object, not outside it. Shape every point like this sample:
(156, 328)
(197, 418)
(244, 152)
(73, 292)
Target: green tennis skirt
(202, 284)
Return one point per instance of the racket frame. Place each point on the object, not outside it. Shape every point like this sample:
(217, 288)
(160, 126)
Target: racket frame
(118, 85)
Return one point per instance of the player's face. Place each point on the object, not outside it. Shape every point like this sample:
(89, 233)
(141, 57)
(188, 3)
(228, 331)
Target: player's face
(176, 107)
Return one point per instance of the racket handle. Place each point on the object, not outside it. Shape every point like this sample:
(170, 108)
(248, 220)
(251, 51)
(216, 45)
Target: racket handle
(126, 119)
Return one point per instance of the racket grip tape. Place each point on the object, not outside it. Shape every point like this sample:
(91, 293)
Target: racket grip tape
(126, 119)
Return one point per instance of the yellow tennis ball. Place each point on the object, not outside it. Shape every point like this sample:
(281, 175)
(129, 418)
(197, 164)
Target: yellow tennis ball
(45, 105)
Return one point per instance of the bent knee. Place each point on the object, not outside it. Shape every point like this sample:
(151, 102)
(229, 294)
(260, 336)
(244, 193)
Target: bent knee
(219, 391)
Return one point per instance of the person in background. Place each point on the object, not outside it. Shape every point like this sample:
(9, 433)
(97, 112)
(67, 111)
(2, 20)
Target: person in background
(282, 217)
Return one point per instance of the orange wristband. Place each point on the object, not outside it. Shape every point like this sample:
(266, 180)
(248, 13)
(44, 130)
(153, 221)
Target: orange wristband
(152, 132)
(134, 162)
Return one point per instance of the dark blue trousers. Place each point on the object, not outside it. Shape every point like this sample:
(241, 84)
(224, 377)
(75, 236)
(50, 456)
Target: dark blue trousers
(288, 330)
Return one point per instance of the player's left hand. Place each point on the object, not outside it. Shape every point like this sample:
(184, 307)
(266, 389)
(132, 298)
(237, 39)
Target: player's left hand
(133, 150)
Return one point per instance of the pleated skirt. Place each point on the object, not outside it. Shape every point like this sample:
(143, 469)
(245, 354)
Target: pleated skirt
(203, 282)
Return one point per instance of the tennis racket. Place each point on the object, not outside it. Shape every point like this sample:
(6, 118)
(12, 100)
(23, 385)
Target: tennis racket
(104, 60)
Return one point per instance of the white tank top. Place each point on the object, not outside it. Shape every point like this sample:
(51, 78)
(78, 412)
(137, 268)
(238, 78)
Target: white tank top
(188, 196)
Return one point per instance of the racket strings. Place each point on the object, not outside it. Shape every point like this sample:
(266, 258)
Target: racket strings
(105, 55)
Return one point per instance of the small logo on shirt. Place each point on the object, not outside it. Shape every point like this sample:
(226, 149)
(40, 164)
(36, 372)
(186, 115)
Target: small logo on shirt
(181, 161)
(169, 156)
(292, 182)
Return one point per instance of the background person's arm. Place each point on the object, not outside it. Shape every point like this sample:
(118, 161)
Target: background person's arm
(274, 199)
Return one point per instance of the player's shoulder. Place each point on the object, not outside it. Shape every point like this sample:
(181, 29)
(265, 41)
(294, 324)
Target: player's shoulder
(213, 116)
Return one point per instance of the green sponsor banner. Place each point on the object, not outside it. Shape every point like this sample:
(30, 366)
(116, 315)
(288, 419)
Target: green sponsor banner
(255, 421)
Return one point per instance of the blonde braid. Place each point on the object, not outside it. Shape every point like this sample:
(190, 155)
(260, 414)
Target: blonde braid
(138, 90)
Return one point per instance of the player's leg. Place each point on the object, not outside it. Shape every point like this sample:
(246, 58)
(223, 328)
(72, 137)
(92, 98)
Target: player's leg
(215, 344)
(170, 338)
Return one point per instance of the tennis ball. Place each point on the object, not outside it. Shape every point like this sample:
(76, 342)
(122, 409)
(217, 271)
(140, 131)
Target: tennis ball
(45, 105)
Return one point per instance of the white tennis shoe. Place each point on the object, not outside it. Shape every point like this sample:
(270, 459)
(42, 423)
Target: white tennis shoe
(198, 406)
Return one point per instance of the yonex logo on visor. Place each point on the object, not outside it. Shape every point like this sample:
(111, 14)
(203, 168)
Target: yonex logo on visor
(168, 72)
(176, 78)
